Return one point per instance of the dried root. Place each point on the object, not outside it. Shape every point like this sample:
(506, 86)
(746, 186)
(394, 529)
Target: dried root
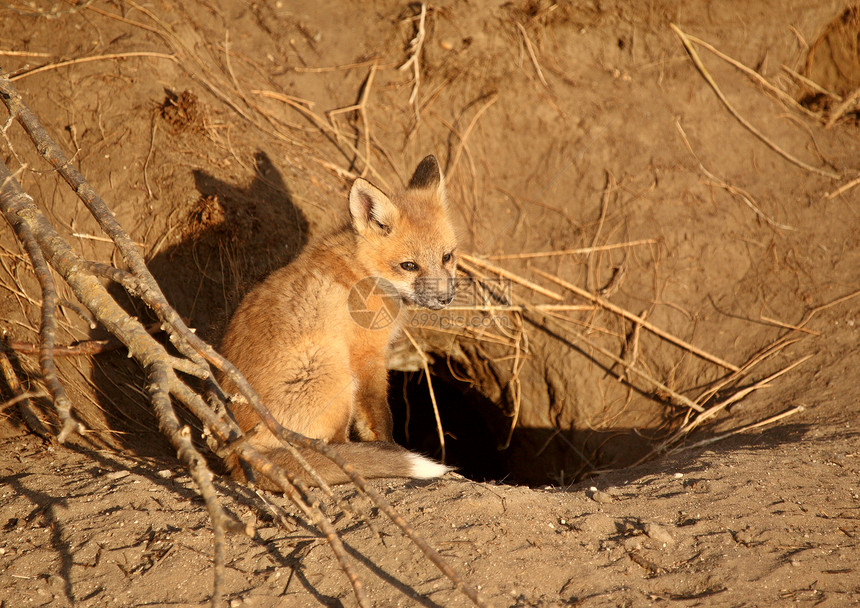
(48, 252)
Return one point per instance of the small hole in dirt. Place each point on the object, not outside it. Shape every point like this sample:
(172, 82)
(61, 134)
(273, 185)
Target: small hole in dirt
(477, 431)
(470, 444)
(478, 439)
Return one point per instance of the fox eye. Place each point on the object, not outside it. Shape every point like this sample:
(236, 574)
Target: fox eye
(447, 258)
(409, 266)
(382, 226)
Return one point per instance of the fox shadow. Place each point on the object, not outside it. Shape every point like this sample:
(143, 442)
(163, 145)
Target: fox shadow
(231, 238)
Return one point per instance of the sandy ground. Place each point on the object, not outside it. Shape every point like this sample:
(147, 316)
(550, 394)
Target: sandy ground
(559, 126)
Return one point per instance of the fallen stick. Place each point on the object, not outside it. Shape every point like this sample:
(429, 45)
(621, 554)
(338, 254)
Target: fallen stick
(512, 276)
(629, 368)
(637, 319)
(745, 196)
(425, 361)
(580, 250)
(755, 76)
(851, 102)
(112, 56)
(685, 40)
(843, 188)
(743, 429)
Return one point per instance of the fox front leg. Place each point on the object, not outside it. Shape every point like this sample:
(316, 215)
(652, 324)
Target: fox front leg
(373, 420)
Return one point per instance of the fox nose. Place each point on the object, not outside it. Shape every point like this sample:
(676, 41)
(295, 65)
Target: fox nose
(446, 299)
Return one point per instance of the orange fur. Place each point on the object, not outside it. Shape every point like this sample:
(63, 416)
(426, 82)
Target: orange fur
(319, 368)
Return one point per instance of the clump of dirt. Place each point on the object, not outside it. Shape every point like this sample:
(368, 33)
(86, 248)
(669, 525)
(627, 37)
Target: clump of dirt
(208, 220)
(207, 214)
(182, 112)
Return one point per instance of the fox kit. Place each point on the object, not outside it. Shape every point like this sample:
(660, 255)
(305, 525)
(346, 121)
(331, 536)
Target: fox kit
(313, 338)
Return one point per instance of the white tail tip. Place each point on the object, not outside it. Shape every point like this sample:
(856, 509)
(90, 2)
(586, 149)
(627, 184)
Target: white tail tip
(424, 468)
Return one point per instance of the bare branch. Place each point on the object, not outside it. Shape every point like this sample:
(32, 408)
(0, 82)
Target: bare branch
(48, 249)
(15, 205)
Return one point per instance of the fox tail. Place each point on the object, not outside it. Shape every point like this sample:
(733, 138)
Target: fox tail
(370, 459)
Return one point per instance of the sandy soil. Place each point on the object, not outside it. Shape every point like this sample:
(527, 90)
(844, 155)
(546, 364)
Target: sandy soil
(559, 126)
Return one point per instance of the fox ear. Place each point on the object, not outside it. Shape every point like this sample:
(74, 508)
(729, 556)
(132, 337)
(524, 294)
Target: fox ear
(370, 208)
(427, 174)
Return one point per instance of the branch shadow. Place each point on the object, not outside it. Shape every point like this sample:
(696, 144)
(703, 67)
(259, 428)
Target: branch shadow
(45, 506)
(232, 237)
(301, 550)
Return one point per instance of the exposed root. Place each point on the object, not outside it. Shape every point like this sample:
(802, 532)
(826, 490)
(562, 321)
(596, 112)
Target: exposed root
(47, 249)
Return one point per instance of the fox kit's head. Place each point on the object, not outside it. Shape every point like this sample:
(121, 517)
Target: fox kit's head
(408, 239)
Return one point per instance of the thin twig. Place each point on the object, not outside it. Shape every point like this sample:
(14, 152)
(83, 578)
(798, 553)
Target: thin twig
(811, 84)
(685, 40)
(785, 325)
(762, 355)
(717, 408)
(322, 125)
(814, 311)
(675, 396)
(19, 397)
(361, 107)
(637, 319)
(108, 57)
(543, 321)
(739, 192)
(515, 388)
(604, 205)
(796, 409)
(559, 252)
(756, 77)
(465, 136)
(849, 105)
(843, 188)
(335, 68)
(86, 348)
(25, 407)
(512, 276)
(518, 308)
(100, 239)
(425, 360)
(532, 55)
(415, 47)
(7, 53)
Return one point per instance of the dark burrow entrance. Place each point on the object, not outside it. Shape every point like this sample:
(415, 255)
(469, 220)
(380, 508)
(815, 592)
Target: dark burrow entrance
(467, 419)
(478, 440)
(477, 430)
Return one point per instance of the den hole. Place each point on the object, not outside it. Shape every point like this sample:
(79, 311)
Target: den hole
(468, 419)
(479, 443)
(478, 440)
